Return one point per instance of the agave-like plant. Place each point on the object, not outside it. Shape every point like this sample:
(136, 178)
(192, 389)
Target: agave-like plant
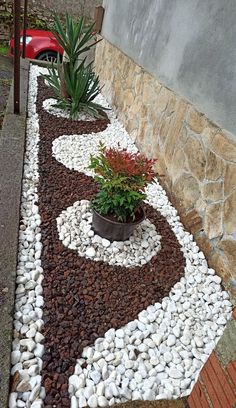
(74, 83)
(82, 86)
(75, 38)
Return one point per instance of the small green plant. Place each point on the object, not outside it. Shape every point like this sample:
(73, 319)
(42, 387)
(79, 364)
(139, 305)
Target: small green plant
(37, 23)
(74, 82)
(82, 86)
(121, 177)
(3, 48)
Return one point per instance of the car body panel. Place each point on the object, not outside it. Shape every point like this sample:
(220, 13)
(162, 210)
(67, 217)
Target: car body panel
(42, 41)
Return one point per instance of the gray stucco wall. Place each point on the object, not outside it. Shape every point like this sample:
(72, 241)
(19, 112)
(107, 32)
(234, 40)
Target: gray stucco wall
(189, 45)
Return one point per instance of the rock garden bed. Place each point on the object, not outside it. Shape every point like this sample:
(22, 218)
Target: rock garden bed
(99, 323)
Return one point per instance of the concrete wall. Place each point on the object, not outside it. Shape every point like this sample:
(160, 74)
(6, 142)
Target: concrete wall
(187, 45)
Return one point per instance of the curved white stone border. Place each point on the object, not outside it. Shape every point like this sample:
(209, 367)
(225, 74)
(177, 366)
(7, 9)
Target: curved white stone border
(173, 338)
(48, 105)
(74, 150)
(75, 231)
(27, 349)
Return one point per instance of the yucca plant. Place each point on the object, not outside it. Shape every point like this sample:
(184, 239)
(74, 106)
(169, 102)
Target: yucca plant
(82, 86)
(74, 82)
(74, 37)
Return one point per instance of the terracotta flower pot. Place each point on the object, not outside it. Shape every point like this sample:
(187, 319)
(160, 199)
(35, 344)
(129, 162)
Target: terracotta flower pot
(114, 230)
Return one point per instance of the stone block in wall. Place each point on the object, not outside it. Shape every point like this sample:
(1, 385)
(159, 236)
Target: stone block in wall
(186, 188)
(192, 221)
(160, 166)
(228, 246)
(213, 191)
(163, 99)
(230, 213)
(204, 243)
(214, 166)
(196, 121)
(178, 164)
(229, 178)
(223, 146)
(164, 129)
(219, 262)
(175, 130)
(200, 206)
(213, 226)
(128, 98)
(149, 92)
(195, 157)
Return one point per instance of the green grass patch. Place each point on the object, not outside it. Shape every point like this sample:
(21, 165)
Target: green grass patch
(3, 49)
(6, 81)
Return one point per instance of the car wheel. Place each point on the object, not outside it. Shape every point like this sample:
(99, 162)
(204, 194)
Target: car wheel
(48, 56)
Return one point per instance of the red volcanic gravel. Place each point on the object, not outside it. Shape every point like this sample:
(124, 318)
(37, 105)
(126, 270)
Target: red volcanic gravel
(84, 298)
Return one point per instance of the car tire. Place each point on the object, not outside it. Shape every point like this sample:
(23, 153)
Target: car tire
(47, 56)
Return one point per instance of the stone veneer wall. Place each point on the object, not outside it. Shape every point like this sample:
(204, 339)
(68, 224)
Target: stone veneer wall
(41, 11)
(196, 159)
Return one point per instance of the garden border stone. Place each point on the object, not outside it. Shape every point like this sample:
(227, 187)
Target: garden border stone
(12, 146)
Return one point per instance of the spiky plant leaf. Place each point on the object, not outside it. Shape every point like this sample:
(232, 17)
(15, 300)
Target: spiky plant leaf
(74, 83)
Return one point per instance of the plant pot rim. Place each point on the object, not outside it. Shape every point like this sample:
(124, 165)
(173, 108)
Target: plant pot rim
(136, 222)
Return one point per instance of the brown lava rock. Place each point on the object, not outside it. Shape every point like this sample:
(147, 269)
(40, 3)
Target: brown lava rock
(84, 298)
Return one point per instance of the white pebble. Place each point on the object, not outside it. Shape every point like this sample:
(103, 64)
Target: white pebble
(90, 252)
(92, 401)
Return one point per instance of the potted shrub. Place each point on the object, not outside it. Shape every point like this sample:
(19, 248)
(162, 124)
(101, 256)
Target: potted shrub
(121, 176)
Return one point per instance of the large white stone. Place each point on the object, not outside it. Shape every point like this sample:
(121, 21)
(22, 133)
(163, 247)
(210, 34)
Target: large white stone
(95, 376)
(15, 357)
(90, 252)
(102, 401)
(92, 401)
(74, 403)
(171, 340)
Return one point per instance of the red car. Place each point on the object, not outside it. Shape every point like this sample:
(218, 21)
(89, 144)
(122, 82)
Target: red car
(40, 45)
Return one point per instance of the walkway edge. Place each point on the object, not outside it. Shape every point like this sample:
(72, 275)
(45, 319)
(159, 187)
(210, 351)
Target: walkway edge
(12, 146)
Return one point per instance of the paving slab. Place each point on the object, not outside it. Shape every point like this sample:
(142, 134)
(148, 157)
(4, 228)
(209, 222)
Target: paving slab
(12, 145)
(6, 73)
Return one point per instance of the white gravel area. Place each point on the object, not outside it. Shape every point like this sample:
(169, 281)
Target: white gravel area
(74, 150)
(49, 103)
(27, 347)
(75, 231)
